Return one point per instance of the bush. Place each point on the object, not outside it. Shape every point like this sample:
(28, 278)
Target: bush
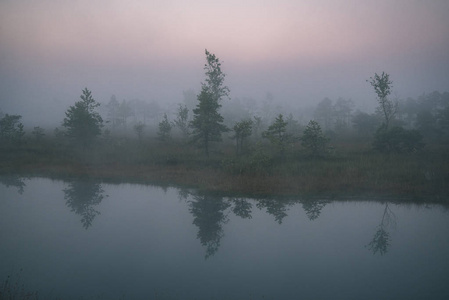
(313, 139)
(397, 139)
(11, 129)
(257, 163)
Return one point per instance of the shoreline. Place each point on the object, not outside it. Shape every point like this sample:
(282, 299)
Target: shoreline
(352, 171)
(210, 180)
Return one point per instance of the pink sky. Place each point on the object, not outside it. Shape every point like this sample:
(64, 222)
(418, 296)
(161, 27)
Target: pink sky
(298, 50)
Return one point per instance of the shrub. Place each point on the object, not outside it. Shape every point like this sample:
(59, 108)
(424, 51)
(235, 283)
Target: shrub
(11, 129)
(313, 139)
(397, 139)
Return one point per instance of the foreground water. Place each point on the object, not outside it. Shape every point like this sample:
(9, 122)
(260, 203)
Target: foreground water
(86, 240)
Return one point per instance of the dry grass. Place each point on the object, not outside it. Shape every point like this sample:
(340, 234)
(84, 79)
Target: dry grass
(351, 170)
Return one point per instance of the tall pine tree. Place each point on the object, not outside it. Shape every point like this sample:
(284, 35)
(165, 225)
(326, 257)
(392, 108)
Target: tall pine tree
(207, 124)
(82, 122)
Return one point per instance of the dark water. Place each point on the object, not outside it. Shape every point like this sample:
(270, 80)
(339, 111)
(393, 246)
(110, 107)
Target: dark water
(86, 240)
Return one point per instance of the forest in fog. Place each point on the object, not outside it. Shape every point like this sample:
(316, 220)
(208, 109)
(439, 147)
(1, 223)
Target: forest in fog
(340, 121)
(261, 147)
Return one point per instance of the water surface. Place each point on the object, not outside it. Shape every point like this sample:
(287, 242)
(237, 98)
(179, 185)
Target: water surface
(89, 240)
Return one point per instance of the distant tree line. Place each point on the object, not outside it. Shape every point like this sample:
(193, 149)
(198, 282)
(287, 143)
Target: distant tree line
(206, 118)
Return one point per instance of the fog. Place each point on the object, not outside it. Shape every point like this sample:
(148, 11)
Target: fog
(298, 52)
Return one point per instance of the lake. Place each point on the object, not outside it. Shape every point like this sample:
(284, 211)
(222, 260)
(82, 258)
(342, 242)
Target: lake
(83, 239)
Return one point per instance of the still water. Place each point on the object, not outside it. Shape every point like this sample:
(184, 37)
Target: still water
(89, 240)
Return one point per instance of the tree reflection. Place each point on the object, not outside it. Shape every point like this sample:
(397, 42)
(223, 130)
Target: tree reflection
(313, 208)
(209, 216)
(183, 194)
(242, 208)
(276, 208)
(381, 239)
(81, 197)
(15, 181)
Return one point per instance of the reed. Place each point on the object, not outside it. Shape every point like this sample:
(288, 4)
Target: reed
(350, 169)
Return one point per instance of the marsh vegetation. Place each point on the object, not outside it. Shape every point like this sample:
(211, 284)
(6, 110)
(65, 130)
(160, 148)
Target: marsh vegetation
(215, 143)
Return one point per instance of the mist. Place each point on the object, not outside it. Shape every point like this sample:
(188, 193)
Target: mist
(275, 149)
(299, 53)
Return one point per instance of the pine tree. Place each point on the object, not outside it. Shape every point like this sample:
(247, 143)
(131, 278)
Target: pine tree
(83, 124)
(164, 129)
(313, 139)
(207, 124)
(278, 136)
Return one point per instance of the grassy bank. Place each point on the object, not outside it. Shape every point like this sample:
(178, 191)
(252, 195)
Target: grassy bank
(350, 170)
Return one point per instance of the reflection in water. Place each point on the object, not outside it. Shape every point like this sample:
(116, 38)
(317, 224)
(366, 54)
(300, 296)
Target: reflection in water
(183, 194)
(82, 196)
(15, 181)
(153, 247)
(242, 208)
(274, 207)
(381, 239)
(209, 216)
(211, 213)
(313, 208)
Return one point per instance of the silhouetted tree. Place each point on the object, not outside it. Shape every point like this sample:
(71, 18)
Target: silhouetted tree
(214, 78)
(382, 86)
(182, 120)
(11, 129)
(278, 136)
(397, 139)
(207, 124)
(165, 128)
(242, 130)
(83, 124)
(313, 139)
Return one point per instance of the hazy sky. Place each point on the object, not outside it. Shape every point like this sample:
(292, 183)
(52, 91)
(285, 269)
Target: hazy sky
(299, 51)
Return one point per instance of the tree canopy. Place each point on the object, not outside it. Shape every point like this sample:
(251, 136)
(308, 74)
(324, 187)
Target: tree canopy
(214, 77)
(242, 130)
(207, 124)
(11, 129)
(277, 134)
(313, 139)
(83, 124)
(382, 86)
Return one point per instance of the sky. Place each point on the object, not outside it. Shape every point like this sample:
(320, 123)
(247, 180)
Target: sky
(298, 51)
